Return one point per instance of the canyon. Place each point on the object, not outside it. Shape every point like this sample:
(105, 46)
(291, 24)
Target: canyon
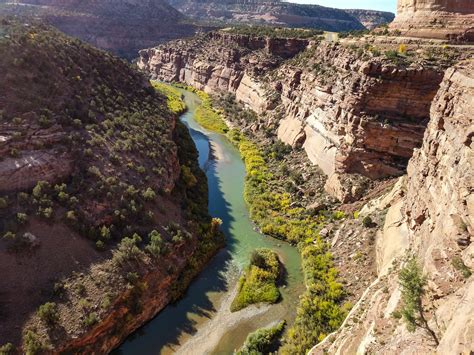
(360, 150)
(365, 112)
(354, 111)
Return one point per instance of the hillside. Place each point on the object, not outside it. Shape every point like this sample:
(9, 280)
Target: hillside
(100, 194)
(120, 26)
(371, 18)
(268, 13)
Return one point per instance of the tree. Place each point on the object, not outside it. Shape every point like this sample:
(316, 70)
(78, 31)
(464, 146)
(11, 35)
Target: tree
(413, 282)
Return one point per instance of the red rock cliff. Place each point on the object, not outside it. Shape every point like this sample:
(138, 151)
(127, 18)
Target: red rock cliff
(443, 19)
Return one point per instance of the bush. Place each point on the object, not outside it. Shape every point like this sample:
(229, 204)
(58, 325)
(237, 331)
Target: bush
(155, 246)
(459, 265)
(7, 349)
(149, 194)
(3, 203)
(127, 250)
(188, 177)
(262, 341)
(91, 319)
(32, 344)
(48, 313)
(258, 283)
(367, 222)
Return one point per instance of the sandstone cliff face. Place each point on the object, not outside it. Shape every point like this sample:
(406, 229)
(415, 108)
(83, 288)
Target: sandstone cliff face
(351, 113)
(432, 216)
(356, 115)
(447, 19)
(221, 62)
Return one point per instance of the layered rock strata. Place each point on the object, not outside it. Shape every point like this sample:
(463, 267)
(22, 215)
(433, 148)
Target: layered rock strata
(352, 114)
(443, 19)
(431, 215)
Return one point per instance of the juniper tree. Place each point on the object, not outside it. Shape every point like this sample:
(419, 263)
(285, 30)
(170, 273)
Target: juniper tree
(413, 282)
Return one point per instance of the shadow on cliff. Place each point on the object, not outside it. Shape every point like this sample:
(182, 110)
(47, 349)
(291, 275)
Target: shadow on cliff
(197, 305)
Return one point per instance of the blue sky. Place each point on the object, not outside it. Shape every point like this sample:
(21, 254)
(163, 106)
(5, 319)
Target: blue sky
(385, 5)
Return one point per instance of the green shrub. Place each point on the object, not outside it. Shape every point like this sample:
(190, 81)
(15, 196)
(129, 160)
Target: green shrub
(21, 218)
(7, 349)
(127, 250)
(459, 265)
(155, 246)
(188, 177)
(258, 283)
(367, 222)
(3, 203)
(149, 194)
(48, 313)
(412, 283)
(262, 341)
(32, 344)
(91, 319)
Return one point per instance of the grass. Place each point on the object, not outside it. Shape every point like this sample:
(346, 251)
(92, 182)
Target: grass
(258, 283)
(174, 98)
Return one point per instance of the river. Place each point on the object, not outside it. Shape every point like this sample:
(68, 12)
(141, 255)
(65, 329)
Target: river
(201, 323)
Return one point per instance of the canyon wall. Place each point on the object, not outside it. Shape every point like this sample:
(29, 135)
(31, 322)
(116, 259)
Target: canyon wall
(443, 19)
(352, 114)
(355, 115)
(431, 216)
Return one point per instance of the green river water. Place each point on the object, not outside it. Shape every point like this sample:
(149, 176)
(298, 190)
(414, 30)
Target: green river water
(172, 328)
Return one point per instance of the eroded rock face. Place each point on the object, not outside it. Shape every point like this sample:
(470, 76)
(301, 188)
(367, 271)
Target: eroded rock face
(443, 19)
(352, 114)
(432, 216)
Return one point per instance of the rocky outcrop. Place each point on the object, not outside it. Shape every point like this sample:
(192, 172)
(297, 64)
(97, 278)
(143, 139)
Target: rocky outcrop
(120, 26)
(354, 115)
(269, 12)
(432, 216)
(443, 19)
(23, 164)
(220, 62)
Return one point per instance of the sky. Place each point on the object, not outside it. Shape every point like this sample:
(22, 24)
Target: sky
(385, 5)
